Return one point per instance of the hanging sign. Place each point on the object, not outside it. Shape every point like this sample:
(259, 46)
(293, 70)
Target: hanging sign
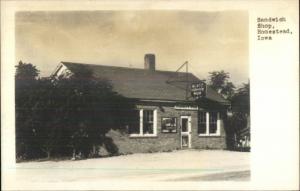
(180, 107)
(198, 90)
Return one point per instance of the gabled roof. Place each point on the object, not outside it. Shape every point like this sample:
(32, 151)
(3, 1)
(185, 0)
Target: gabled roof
(146, 84)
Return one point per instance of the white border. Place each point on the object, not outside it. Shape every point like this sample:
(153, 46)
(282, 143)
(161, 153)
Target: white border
(274, 76)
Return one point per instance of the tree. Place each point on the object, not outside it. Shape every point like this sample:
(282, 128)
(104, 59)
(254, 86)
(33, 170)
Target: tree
(26, 71)
(75, 113)
(219, 80)
(48, 130)
(89, 109)
(64, 115)
(240, 104)
(25, 85)
(240, 120)
(241, 99)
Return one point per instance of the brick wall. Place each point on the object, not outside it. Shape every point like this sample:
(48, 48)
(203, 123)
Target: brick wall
(166, 141)
(209, 142)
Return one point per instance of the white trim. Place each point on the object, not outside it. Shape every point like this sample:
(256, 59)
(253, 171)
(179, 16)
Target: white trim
(56, 70)
(141, 122)
(141, 133)
(61, 69)
(207, 123)
(218, 131)
(189, 130)
(155, 122)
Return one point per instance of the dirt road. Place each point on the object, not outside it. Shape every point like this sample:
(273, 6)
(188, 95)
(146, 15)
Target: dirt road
(184, 165)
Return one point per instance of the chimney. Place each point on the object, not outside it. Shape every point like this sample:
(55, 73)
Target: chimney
(149, 62)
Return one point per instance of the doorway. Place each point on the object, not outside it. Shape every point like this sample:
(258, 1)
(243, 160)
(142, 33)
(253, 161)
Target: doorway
(186, 130)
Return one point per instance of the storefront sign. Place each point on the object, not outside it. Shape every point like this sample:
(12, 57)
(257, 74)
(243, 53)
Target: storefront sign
(186, 107)
(169, 125)
(198, 90)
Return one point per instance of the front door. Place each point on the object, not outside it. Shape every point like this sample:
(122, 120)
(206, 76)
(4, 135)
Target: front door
(185, 124)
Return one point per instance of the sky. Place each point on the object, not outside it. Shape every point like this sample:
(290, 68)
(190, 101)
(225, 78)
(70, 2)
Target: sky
(209, 41)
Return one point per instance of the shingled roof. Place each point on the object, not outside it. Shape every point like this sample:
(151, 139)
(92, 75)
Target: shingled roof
(146, 84)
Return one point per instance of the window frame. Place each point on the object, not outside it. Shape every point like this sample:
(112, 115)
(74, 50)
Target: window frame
(199, 122)
(218, 132)
(141, 133)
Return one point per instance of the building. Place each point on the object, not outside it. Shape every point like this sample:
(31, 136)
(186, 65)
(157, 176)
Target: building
(169, 117)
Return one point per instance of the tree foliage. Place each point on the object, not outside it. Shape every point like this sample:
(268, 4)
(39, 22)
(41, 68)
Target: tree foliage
(240, 104)
(25, 86)
(59, 116)
(241, 99)
(26, 71)
(219, 80)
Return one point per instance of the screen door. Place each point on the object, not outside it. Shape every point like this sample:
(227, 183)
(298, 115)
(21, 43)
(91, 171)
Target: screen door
(185, 124)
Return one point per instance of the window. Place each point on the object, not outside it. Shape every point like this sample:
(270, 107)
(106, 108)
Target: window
(208, 123)
(213, 117)
(145, 124)
(184, 124)
(148, 122)
(202, 123)
(168, 125)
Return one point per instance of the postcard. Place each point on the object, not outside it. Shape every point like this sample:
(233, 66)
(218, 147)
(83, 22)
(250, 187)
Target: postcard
(144, 95)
